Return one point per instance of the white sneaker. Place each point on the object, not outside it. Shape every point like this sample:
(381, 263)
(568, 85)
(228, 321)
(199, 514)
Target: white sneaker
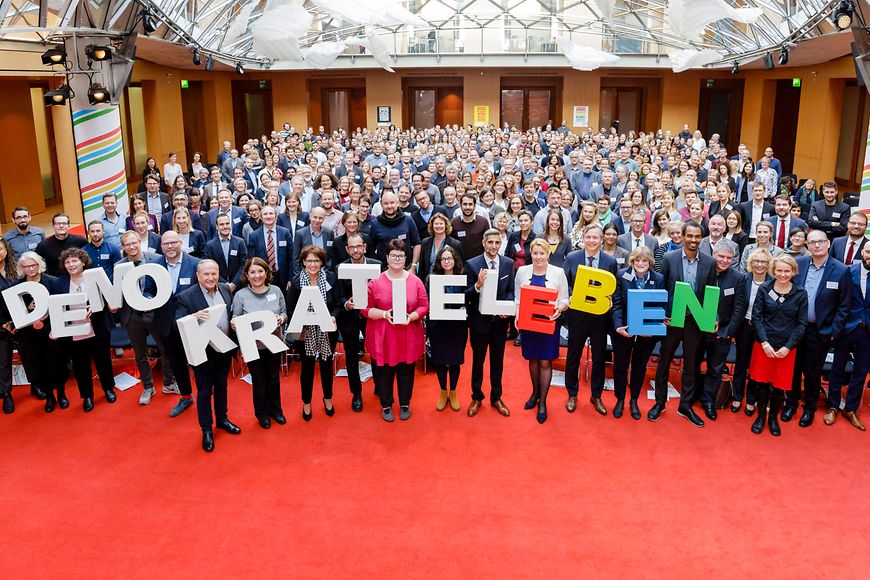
(171, 389)
(146, 395)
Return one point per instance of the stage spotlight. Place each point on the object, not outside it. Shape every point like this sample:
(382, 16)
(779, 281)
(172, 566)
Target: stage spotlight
(98, 53)
(735, 67)
(240, 69)
(209, 63)
(57, 97)
(98, 94)
(149, 21)
(196, 59)
(783, 56)
(843, 14)
(54, 55)
(768, 61)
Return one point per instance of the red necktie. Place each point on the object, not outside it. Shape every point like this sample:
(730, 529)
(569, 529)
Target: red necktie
(780, 238)
(270, 250)
(850, 252)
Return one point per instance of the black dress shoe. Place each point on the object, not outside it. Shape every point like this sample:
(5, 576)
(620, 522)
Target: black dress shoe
(518, 342)
(265, 423)
(356, 404)
(735, 408)
(692, 416)
(807, 418)
(111, 397)
(655, 412)
(531, 403)
(8, 404)
(330, 411)
(62, 401)
(635, 411)
(306, 416)
(710, 411)
(50, 403)
(279, 418)
(749, 412)
(88, 404)
(617, 410)
(38, 393)
(542, 414)
(207, 441)
(229, 427)
(787, 413)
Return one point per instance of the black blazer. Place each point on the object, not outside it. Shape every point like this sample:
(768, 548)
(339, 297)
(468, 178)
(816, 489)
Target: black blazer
(833, 220)
(166, 222)
(780, 323)
(424, 266)
(332, 297)
(577, 258)
(422, 226)
(478, 322)
(733, 302)
(838, 249)
(344, 289)
(101, 321)
(339, 248)
(514, 239)
(191, 301)
(745, 210)
(229, 272)
(557, 258)
(302, 220)
(623, 285)
(672, 271)
(302, 239)
(284, 255)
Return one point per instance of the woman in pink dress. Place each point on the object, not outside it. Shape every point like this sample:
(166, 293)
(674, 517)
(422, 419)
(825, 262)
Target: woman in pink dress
(395, 346)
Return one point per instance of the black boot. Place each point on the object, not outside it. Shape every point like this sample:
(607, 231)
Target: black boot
(758, 425)
(762, 397)
(50, 402)
(776, 400)
(8, 403)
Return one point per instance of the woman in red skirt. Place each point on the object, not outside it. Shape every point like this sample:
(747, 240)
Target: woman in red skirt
(779, 316)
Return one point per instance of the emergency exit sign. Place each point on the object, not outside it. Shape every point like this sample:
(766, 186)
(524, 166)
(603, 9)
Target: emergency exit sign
(796, 82)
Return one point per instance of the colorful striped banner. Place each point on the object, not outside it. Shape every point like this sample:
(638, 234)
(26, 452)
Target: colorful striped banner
(100, 159)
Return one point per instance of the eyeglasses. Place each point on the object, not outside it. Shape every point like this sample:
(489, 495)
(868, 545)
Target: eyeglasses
(447, 258)
(396, 256)
(760, 262)
(817, 242)
(312, 262)
(356, 247)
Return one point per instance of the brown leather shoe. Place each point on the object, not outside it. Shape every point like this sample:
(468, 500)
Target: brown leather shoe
(831, 416)
(571, 404)
(599, 406)
(853, 418)
(473, 408)
(501, 408)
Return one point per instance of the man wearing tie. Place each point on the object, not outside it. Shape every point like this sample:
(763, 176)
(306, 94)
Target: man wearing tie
(488, 332)
(698, 271)
(238, 216)
(272, 243)
(855, 340)
(583, 325)
(848, 248)
(211, 375)
(755, 210)
(827, 284)
(635, 237)
(783, 222)
(228, 252)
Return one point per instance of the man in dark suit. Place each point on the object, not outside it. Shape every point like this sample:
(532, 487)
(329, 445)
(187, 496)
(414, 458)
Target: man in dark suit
(731, 312)
(698, 270)
(156, 202)
(238, 216)
(228, 251)
(488, 332)
(210, 376)
(273, 244)
(754, 210)
(636, 237)
(182, 273)
(622, 220)
(350, 322)
(583, 325)
(831, 214)
(827, 284)
(783, 222)
(848, 248)
(312, 235)
(855, 340)
(424, 212)
(179, 200)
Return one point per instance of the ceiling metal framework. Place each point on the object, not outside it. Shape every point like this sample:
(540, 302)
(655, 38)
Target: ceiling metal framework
(486, 26)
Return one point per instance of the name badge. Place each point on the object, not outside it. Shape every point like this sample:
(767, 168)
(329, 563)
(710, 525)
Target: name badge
(234, 252)
(271, 298)
(237, 220)
(184, 281)
(104, 256)
(835, 215)
(518, 247)
(328, 286)
(403, 236)
(729, 207)
(282, 243)
(832, 285)
(300, 224)
(628, 276)
(728, 291)
(32, 245)
(329, 244)
(460, 234)
(775, 297)
(188, 249)
(764, 216)
(620, 260)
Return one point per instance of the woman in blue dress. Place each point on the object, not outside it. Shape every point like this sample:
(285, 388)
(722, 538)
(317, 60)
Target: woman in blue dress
(540, 349)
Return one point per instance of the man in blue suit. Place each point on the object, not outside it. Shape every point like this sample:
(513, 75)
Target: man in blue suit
(848, 248)
(783, 222)
(583, 325)
(488, 331)
(827, 284)
(238, 216)
(179, 200)
(182, 273)
(273, 244)
(855, 340)
(313, 235)
(228, 251)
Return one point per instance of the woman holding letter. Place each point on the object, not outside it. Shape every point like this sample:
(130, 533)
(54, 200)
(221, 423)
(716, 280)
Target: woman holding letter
(541, 349)
(258, 293)
(395, 341)
(628, 349)
(8, 277)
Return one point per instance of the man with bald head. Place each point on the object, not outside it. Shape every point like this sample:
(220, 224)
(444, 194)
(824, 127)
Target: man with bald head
(315, 234)
(393, 224)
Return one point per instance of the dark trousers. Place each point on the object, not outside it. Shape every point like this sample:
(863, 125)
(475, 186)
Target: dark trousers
(266, 384)
(307, 377)
(716, 349)
(582, 326)
(744, 342)
(402, 374)
(138, 328)
(173, 350)
(43, 359)
(211, 381)
(633, 352)
(856, 342)
(809, 359)
(350, 324)
(692, 339)
(5, 363)
(82, 353)
(493, 340)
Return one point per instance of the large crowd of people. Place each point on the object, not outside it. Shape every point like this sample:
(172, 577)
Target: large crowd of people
(281, 212)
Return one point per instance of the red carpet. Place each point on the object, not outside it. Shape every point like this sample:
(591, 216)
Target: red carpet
(127, 492)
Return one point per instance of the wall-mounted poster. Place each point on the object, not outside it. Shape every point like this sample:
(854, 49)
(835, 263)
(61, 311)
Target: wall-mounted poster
(385, 116)
(581, 116)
